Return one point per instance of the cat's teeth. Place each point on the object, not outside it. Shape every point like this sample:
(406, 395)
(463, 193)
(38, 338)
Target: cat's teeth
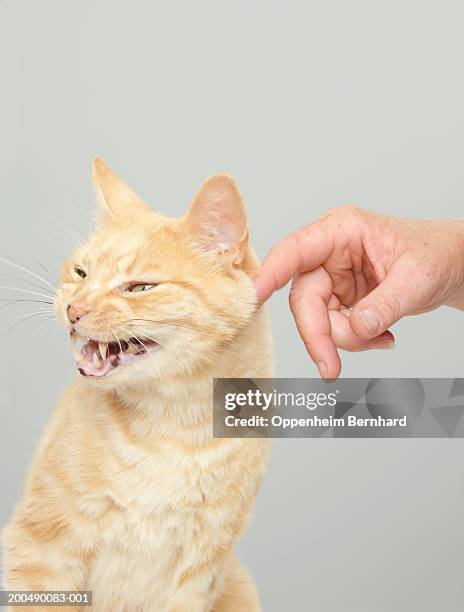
(103, 346)
(76, 352)
(96, 361)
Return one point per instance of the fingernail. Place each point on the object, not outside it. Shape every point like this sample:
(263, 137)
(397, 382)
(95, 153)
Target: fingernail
(383, 345)
(322, 370)
(370, 319)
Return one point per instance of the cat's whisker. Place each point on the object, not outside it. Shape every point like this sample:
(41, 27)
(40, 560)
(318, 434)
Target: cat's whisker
(64, 243)
(27, 314)
(72, 234)
(73, 243)
(149, 353)
(50, 321)
(153, 340)
(26, 303)
(49, 275)
(10, 302)
(78, 204)
(15, 265)
(25, 280)
(46, 270)
(119, 342)
(24, 291)
(169, 325)
(26, 318)
(173, 319)
(148, 337)
(128, 332)
(108, 332)
(145, 335)
(158, 323)
(164, 322)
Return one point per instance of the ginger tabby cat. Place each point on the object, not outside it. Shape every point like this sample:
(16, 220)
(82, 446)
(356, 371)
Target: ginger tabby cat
(129, 494)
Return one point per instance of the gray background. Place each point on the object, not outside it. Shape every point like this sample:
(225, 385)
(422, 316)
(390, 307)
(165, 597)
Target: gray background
(310, 105)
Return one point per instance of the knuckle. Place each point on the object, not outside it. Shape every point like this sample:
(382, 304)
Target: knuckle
(347, 210)
(343, 217)
(351, 211)
(390, 305)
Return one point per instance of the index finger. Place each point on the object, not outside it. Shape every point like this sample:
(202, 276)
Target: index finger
(302, 251)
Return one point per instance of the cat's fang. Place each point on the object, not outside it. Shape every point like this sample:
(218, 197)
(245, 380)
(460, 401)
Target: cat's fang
(76, 352)
(103, 347)
(80, 343)
(96, 361)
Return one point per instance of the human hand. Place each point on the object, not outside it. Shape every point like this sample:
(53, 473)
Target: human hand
(356, 272)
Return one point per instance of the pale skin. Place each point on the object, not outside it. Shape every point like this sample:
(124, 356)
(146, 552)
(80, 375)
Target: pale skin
(356, 273)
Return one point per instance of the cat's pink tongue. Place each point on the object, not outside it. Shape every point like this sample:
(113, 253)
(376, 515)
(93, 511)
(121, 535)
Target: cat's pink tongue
(87, 367)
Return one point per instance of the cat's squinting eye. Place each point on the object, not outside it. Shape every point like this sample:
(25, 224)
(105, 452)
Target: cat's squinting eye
(140, 287)
(80, 272)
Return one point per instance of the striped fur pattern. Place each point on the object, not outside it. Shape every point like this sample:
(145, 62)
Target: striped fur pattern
(129, 495)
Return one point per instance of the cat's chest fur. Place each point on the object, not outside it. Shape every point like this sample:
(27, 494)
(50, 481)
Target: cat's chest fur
(168, 504)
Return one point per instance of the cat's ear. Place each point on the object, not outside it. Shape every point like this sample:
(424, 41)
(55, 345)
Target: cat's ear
(117, 201)
(217, 221)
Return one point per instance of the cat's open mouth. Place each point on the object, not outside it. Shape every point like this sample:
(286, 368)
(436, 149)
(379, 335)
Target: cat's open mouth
(94, 358)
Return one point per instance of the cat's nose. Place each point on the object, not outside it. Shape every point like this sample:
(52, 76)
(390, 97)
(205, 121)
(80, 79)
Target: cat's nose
(75, 313)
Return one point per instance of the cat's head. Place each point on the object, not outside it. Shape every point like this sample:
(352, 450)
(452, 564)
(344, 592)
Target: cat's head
(146, 295)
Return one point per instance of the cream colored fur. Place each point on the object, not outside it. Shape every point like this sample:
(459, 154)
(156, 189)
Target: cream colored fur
(129, 495)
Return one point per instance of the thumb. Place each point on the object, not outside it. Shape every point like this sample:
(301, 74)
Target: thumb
(396, 296)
